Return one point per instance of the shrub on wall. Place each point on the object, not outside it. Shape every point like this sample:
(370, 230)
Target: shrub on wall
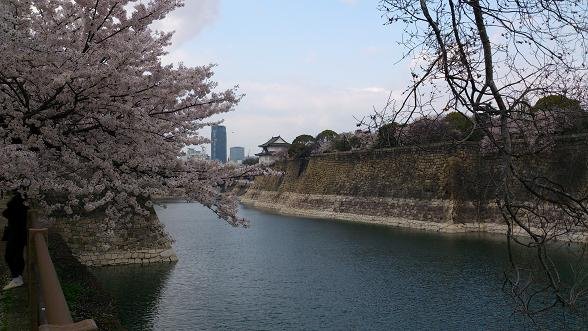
(425, 130)
(461, 127)
(326, 135)
(302, 146)
(564, 115)
(251, 161)
(324, 141)
(341, 143)
(387, 135)
(358, 140)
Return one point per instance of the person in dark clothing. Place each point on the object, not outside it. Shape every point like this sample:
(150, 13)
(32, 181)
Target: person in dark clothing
(15, 235)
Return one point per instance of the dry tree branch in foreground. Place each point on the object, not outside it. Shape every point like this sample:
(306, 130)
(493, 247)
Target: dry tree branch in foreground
(516, 70)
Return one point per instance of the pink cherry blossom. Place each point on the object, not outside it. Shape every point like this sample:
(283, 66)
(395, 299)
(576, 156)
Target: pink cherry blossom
(91, 120)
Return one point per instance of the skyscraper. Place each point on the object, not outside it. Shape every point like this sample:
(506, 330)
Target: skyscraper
(218, 148)
(236, 154)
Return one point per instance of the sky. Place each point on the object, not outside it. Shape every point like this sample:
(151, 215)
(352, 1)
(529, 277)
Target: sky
(304, 66)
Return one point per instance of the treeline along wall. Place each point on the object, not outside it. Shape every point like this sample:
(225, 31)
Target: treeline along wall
(441, 186)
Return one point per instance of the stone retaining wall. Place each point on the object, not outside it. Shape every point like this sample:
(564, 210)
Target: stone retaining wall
(97, 242)
(439, 187)
(435, 217)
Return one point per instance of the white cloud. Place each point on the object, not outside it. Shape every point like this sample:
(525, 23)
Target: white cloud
(372, 89)
(189, 20)
(293, 109)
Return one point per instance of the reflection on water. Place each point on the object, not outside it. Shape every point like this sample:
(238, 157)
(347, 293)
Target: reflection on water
(294, 273)
(138, 291)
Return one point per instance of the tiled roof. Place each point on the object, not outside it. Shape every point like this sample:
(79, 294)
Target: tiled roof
(272, 142)
(264, 153)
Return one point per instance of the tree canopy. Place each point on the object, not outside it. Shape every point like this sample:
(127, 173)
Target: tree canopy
(90, 119)
(567, 115)
(301, 146)
(387, 135)
(462, 127)
(251, 161)
(326, 135)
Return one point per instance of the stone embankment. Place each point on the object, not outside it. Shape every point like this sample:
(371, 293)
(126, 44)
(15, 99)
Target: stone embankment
(95, 241)
(448, 188)
(295, 204)
(382, 211)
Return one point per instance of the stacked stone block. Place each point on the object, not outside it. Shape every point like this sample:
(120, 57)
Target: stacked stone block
(443, 187)
(96, 241)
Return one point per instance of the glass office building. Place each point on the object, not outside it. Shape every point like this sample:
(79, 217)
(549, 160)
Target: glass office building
(237, 154)
(218, 148)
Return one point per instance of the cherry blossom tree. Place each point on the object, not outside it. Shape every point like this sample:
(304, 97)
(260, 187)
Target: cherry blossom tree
(90, 118)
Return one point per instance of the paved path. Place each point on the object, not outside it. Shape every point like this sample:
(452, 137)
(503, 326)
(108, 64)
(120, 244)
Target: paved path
(14, 314)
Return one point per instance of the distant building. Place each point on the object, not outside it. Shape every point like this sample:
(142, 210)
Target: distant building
(218, 148)
(192, 153)
(236, 154)
(273, 150)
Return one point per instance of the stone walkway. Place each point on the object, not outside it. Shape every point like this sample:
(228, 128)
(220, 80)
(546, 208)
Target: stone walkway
(14, 313)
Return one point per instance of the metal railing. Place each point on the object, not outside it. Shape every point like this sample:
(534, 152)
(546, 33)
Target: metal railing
(49, 309)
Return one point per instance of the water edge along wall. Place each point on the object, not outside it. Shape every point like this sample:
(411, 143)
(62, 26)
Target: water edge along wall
(439, 187)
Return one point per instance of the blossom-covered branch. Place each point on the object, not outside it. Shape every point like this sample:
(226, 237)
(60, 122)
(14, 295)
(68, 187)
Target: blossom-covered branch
(91, 119)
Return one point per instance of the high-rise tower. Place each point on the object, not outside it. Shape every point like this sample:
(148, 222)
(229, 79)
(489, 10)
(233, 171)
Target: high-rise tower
(218, 148)
(237, 154)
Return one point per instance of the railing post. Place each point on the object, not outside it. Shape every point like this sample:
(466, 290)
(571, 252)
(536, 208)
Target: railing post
(42, 280)
(57, 311)
(31, 272)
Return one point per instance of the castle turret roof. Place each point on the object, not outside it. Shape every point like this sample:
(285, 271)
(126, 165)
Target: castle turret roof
(275, 141)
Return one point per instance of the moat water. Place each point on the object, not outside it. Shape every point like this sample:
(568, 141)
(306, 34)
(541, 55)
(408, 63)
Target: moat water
(305, 274)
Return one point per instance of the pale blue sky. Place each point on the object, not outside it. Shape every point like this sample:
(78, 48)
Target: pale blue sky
(304, 66)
